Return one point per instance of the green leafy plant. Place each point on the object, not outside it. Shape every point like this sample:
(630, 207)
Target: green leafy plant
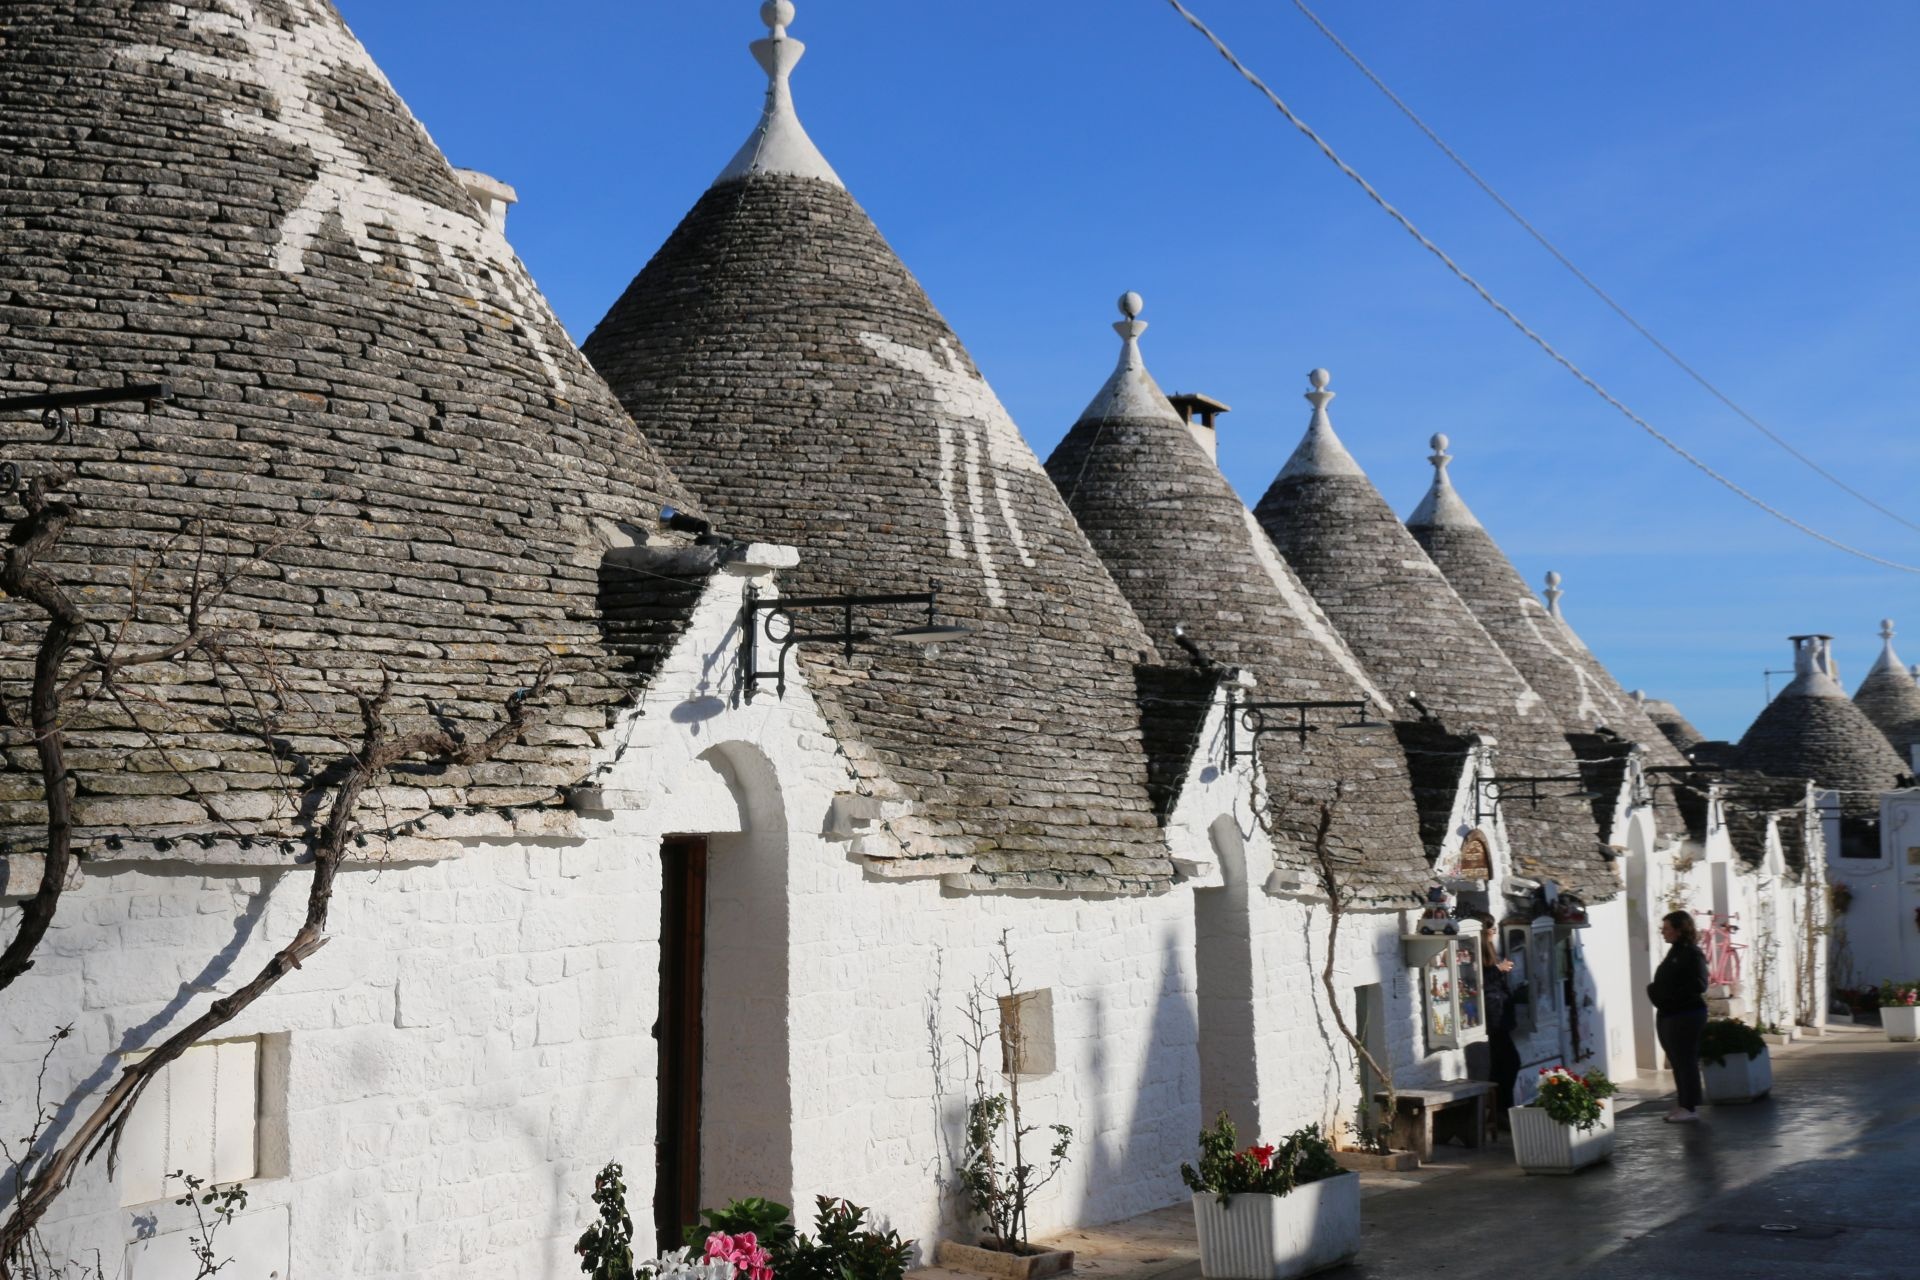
(1571, 1099)
(606, 1247)
(844, 1247)
(770, 1222)
(996, 1177)
(1226, 1169)
(224, 1202)
(1899, 994)
(1723, 1038)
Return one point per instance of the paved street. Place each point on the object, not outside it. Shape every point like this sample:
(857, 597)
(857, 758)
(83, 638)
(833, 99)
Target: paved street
(1835, 1153)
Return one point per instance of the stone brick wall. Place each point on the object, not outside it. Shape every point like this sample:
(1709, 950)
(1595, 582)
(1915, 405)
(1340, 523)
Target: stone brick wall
(462, 1055)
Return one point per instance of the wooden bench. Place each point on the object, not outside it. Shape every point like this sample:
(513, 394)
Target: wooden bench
(1465, 1110)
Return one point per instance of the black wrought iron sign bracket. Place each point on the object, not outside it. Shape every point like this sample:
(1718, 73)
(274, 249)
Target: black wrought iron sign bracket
(779, 619)
(1249, 721)
(56, 410)
(1482, 801)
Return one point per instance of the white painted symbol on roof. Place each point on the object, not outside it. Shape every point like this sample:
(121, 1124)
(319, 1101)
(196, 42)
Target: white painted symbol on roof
(287, 64)
(972, 417)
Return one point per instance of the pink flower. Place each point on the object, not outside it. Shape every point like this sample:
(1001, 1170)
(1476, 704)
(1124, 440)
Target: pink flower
(750, 1261)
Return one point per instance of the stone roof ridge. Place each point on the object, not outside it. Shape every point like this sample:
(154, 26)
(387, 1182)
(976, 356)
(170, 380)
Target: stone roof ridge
(1131, 393)
(1320, 452)
(1443, 507)
(779, 143)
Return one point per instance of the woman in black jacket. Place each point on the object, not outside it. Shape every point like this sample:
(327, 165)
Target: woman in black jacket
(1679, 995)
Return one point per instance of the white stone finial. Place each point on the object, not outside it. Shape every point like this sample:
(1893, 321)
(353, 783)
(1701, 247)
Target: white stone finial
(1553, 593)
(1442, 507)
(1131, 393)
(779, 144)
(1319, 397)
(1639, 697)
(1320, 453)
(1888, 660)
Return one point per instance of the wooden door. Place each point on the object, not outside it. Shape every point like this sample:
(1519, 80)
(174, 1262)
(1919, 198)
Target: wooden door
(683, 935)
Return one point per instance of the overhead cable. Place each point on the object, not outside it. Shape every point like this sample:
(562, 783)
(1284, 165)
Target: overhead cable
(1584, 278)
(1506, 312)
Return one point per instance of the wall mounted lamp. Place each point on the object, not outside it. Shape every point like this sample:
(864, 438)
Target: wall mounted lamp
(53, 410)
(783, 611)
(1249, 720)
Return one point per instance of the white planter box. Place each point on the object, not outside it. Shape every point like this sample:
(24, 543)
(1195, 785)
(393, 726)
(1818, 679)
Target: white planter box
(1902, 1021)
(1259, 1237)
(1541, 1145)
(1739, 1078)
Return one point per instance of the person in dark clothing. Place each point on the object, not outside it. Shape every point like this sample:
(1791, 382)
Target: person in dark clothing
(1679, 995)
(1503, 1057)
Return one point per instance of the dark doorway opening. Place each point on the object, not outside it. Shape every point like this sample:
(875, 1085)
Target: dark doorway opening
(683, 946)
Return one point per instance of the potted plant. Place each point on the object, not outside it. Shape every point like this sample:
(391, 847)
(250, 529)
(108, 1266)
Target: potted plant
(1268, 1212)
(1734, 1063)
(1568, 1125)
(1000, 1171)
(1900, 1010)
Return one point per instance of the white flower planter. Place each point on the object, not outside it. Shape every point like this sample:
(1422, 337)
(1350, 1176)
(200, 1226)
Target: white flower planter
(1902, 1021)
(1739, 1078)
(1542, 1145)
(1261, 1237)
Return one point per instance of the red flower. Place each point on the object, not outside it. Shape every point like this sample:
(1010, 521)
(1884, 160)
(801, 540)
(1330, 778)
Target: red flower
(1263, 1154)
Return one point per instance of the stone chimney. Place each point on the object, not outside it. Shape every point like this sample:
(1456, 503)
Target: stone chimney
(490, 195)
(1191, 405)
(1813, 669)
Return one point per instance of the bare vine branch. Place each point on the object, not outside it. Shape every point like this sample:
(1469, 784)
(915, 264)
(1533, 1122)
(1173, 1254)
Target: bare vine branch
(379, 749)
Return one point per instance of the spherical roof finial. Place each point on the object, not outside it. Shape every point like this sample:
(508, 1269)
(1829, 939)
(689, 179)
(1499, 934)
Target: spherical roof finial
(1439, 442)
(1319, 378)
(1886, 628)
(1553, 578)
(1132, 304)
(777, 15)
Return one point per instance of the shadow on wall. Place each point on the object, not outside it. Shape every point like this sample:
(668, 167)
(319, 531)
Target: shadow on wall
(1135, 1167)
(145, 1033)
(746, 1146)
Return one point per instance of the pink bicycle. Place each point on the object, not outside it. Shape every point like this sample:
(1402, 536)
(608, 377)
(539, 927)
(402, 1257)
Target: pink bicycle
(1724, 955)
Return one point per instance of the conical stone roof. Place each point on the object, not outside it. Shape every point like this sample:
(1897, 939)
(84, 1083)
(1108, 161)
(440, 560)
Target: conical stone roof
(1416, 636)
(791, 368)
(1578, 689)
(1187, 553)
(1813, 730)
(1671, 721)
(372, 397)
(1890, 698)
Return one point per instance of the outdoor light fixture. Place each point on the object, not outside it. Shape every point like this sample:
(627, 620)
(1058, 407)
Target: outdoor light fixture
(681, 522)
(1250, 718)
(53, 408)
(1533, 796)
(757, 614)
(702, 529)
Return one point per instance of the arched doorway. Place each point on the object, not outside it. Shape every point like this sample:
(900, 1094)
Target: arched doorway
(1223, 960)
(725, 1107)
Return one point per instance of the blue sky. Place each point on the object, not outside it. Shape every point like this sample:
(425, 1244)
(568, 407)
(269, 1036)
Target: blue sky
(1743, 177)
